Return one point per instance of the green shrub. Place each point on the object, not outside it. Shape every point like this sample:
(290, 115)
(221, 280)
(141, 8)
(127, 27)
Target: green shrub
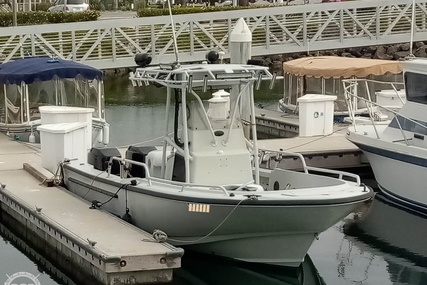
(43, 6)
(97, 5)
(151, 12)
(42, 17)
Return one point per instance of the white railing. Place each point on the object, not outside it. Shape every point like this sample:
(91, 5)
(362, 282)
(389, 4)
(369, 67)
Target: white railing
(123, 174)
(357, 104)
(376, 110)
(266, 156)
(275, 30)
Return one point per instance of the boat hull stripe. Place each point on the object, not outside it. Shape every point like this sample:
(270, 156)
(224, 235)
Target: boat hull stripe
(394, 155)
(407, 203)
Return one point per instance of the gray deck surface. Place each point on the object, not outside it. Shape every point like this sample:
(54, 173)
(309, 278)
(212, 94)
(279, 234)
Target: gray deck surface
(113, 236)
(333, 143)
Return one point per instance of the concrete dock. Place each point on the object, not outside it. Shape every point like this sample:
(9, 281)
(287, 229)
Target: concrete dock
(332, 151)
(93, 241)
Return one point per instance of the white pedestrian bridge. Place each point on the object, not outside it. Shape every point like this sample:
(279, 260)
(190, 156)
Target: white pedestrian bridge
(276, 30)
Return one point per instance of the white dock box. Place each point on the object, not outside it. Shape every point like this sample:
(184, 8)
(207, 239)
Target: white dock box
(316, 115)
(390, 98)
(59, 141)
(66, 114)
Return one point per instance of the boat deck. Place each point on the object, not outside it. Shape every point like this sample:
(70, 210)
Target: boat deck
(101, 244)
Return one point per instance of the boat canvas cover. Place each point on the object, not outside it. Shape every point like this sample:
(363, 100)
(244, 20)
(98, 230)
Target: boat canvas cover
(44, 68)
(337, 67)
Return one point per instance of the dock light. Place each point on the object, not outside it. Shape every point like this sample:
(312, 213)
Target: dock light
(142, 59)
(212, 56)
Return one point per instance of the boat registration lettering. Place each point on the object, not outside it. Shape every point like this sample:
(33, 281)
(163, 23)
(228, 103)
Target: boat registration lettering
(199, 208)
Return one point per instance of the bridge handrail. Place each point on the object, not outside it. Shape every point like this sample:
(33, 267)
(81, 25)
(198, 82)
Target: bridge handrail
(275, 30)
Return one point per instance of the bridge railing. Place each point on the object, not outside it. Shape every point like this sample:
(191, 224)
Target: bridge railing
(275, 30)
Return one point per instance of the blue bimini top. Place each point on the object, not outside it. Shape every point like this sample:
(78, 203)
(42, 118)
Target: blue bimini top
(29, 69)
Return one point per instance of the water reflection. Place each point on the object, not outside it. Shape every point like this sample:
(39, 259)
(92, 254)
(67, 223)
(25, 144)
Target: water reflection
(398, 236)
(38, 257)
(201, 269)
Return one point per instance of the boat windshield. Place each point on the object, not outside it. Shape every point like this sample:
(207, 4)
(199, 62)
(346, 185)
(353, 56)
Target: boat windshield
(416, 89)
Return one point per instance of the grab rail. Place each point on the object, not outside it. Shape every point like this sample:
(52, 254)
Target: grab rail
(341, 174)
(149, 178)
(351, 84)
(279, 156)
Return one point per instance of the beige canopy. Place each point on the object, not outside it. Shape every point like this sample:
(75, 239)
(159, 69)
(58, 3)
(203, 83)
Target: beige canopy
(334, 66)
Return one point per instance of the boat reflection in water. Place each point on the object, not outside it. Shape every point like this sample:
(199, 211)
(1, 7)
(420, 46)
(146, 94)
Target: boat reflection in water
(398, 236)
(199, 269)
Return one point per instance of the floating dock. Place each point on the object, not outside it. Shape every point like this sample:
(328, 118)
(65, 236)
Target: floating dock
(96, 242)
(332, 151)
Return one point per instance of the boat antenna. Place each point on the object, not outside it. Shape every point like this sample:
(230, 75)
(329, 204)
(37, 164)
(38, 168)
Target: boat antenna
(412, 29)
(175, 45)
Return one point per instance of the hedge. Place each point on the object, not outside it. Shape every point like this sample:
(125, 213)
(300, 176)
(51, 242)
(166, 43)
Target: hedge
(152, 12)
(43, 17)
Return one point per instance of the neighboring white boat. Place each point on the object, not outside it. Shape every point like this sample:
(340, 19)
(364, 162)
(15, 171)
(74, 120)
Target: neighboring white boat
(324, 75)
(33, 82)
(203, 188)
(397, 149)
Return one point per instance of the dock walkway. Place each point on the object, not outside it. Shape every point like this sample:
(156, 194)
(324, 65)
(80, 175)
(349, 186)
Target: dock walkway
(106, 247)
(328, 151)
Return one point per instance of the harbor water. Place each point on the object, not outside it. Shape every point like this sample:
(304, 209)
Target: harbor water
(378, 244)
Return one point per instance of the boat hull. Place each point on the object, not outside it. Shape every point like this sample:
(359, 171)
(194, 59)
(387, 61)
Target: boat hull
(401, 188)
(249, 230)
(399, 169)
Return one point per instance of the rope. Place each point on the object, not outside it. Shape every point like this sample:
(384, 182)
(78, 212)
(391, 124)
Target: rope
(111, 198)
(91, 183)
(143, 142)
(162, 234)
(315, 140)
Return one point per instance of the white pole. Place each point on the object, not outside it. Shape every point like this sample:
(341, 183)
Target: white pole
(15, 9)
(240, 43)
(412, 28)
(5, 103)
(175, 45)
